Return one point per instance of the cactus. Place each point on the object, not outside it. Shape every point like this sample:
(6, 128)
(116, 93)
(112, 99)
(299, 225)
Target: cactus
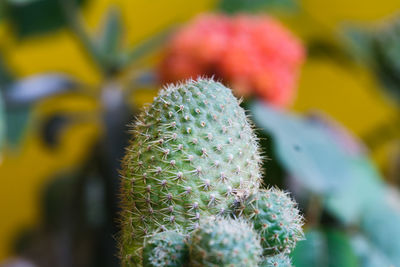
(276, 218)
(192, 156)
(280, 260)
(165, 249)
(224, 242)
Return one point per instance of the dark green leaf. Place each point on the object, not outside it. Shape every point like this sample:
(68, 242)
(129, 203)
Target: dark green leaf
(330, 248)
(234, 6)
(312, 251)
(6, 76)
(35, 17)
(22, 2)
(339, 250)
(322, 161)
(327, 48)
(111, 33)
(1, 11)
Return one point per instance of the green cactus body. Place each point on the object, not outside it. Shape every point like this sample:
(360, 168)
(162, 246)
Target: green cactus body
(280, 260)
(276, 218)
(165, 249)
(193, 154)
(224, 242)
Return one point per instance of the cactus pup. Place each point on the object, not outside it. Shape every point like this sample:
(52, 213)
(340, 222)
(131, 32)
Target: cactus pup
(225, 243)
(276, 218)
(165, 249)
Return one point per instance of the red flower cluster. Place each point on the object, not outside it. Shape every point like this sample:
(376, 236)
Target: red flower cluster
(255, 55)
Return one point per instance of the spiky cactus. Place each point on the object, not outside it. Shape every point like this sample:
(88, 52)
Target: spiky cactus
(280, 260)
(276, 218)
(165, 249)
(193, 155)
(224, 242)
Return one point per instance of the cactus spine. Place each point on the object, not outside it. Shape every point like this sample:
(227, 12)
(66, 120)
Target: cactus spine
(192, 156)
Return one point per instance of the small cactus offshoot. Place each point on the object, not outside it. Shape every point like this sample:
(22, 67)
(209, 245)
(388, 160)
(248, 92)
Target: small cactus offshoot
(280, 260)
(224, 242)
(165, 249)
(276, 218)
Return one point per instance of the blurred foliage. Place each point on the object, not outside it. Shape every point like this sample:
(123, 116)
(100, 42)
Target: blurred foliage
(379, 48)
(87, 235)
(235, 6)
(323, 163)
(16, 123)
(110, 37)
(5, 74)
(325, 247)
(2, 126)
(21, 95)
(369, 255)
(315, 154)
(381, 225)
(30, 17)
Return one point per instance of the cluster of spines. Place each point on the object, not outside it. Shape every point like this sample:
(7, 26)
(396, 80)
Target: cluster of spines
(224, 242)
(165, 249)
(194, 153)
(276, 218)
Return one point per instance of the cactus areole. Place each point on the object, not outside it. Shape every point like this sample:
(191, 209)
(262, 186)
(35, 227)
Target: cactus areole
(193, 155)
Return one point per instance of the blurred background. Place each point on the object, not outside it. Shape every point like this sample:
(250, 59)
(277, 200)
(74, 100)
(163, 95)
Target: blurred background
(320, 79)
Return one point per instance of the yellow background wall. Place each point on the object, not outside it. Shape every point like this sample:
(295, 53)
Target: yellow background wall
(349, 94)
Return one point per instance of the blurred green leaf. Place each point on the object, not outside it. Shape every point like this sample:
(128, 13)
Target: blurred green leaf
(359, 42)
(330, 248)
(57, 198)
(332, 49)
(2, 126)
(379, 49)
(312, 251)
(145, 47)
(234, 6)
(6, 76)
(322, 161)
(111, 33)
(1, 10)
(368, 253)
(16, 124)
(385, 62)
(381, 225)
(35, 17)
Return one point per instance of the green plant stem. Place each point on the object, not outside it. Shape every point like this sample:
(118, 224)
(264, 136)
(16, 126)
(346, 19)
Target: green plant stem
(314, 210)
(76, 25)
